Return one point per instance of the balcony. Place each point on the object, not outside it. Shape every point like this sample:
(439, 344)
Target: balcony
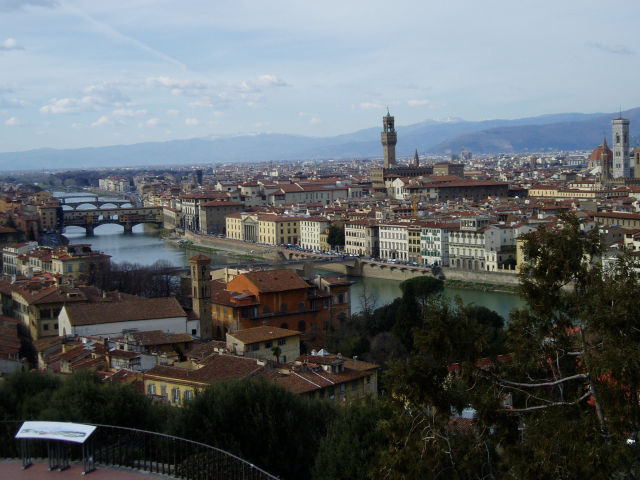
(139, 450)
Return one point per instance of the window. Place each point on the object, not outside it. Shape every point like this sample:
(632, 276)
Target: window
(368, 378)
(300, 305)
(283, 307)
(354, 385)
(188, 395)
(343, 389)
(331, 392)
(151, 389)
(163, 391)
(255, 346)
(45, 326)
(175, 395)
(268, 344)
(266, 309)
(302, 326)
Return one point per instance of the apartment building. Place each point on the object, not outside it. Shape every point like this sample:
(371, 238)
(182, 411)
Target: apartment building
(361, 237)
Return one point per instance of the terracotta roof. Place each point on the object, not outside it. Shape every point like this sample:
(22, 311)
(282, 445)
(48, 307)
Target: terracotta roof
(215, 368)
(273, 280)
(128, 310)
(158, 337)
(262, 333)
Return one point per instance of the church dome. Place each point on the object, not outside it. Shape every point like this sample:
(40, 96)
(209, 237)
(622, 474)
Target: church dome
(596, 155)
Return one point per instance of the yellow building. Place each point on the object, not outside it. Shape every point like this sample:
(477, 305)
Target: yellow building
(79, 262)
(177, 385)
(278, 229)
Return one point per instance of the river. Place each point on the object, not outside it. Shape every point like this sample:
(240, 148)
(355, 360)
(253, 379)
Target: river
(145, 246)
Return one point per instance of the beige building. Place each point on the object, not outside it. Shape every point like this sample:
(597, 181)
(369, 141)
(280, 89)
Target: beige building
(213, 215)
(361, 238)
(262, 342)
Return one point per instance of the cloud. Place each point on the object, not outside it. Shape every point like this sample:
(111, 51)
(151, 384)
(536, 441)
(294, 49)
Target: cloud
(178, 86)
(173, 111)
(191, 121)
(12, 103)
(105, 94)
(417, 103)
(10, 44)
(102, 121)
(11, 5)
(272, 81)
(97, 97)
(153, 122)
(202, 103)
(615, 49)
(12, 122)
(63, 105)
(372, 105)
(128, 112)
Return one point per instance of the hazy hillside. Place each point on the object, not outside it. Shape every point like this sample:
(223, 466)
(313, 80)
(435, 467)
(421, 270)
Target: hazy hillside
(567, 135)
(567, 131)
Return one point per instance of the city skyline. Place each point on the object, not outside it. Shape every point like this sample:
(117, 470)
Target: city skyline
(79, 74)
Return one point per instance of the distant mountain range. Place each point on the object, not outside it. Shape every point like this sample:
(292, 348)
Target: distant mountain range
(558, 132)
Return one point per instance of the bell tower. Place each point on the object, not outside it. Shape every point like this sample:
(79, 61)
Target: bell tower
(201, 294)
(621, 164)
(389, 140)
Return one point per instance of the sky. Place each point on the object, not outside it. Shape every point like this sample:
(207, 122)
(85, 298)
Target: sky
(77, 73)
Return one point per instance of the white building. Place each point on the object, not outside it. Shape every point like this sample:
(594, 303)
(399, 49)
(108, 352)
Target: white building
(310, 230)
(10, 254)
(115, 319)
(434, 243)
(394, 242)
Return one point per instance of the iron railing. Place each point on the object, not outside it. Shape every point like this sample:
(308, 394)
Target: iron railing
(145, 451)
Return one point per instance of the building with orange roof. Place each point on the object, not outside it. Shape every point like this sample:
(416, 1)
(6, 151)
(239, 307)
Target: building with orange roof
(278, 298)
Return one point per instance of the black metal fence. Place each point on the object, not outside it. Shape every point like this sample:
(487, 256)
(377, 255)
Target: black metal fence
(145, 451)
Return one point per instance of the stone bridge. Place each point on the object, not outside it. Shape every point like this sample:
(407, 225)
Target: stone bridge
(127, 217)
(94, 200)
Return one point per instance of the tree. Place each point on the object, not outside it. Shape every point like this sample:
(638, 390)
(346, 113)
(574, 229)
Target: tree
(83, 398)
(349, 448)
(260, 422)
(562, 404)
(416, 293)
(335, 238)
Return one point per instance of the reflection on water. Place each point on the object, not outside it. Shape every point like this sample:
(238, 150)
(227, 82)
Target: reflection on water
(144, 246)
(385, 291)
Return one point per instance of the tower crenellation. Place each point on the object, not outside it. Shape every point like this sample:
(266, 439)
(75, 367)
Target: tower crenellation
(389, 139)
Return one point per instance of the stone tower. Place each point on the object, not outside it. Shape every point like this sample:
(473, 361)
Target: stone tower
(389, 140)
(621, 164)
(201, 294)
(605, 161)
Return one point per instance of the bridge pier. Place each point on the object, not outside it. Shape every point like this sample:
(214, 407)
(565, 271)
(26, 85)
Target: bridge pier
(89, 229)
(128, 228)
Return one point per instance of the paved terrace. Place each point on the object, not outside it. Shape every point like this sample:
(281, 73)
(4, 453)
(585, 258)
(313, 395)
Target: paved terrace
(12, 470)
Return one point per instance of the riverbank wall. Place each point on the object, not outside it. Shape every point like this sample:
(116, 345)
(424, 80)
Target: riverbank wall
(491, 278)
(235, 246)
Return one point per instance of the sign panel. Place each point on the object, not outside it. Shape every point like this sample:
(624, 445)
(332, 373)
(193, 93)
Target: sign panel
(69, 432)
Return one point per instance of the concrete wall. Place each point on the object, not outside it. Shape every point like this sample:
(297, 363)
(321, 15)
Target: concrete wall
(496, 278)
(238, 246)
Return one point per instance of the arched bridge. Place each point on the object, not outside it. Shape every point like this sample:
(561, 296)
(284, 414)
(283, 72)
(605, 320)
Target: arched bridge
(127, 217)
(93, 199)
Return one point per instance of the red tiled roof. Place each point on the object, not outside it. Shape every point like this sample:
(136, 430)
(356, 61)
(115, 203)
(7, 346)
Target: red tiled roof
(128, 310)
